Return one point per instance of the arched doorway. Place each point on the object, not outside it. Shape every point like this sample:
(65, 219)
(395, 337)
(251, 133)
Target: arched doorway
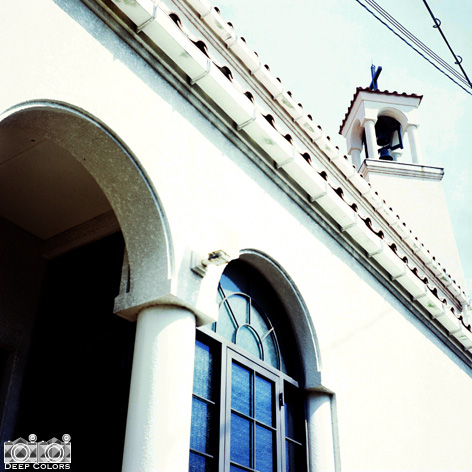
(72, 198)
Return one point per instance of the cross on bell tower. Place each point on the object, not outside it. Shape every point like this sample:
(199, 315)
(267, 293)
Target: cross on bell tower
(375, 76)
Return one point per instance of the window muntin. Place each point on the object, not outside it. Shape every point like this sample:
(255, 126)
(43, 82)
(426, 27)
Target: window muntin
(255, 411)
(252, 314)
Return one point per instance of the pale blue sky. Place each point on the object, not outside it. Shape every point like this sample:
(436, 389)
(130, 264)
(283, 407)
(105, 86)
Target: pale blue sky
(322, 50)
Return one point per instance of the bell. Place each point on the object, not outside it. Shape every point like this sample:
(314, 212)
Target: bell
(384, 154)
(389, 138)
(383, 139)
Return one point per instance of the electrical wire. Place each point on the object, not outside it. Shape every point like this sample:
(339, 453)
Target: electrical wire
(437, 24)
(421, 45)
(413, 38)
(424, 48)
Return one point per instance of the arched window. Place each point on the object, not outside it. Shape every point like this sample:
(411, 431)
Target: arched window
(247, 411)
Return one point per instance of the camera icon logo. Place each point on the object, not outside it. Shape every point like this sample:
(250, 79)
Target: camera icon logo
(21, 451)
(55, 450)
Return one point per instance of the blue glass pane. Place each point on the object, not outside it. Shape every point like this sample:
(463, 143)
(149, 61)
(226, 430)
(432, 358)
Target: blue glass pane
(258, 321)
(199, 463)
(203, 371)
(239, 306)
(294, 413)
(200, 438)
(219, 299)
(283, 365)
(294, 454)
(232, 285)
(220, 295)
(271, 355)
(265, 449)
(241, 389)
(226, 325)
(241, 441)
(264, 401)
(246, 339)
(289, 419)
(233, 468)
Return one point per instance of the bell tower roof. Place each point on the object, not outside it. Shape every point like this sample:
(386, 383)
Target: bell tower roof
(385, 97)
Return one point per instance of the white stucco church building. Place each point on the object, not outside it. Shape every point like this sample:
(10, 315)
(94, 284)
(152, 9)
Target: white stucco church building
(194, 278)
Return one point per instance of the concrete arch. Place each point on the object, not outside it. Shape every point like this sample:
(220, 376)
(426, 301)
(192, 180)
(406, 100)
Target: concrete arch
(354, 139)
(297, 310)
(394, 113)
(123, 182)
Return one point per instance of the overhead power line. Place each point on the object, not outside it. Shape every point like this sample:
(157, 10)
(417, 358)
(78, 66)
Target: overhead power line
(419, 47)
(437, 24)
(415, 40)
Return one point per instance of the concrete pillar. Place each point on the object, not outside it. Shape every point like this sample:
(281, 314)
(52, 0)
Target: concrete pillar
(320, 433)
(371, 139)
(416, 157)
(356, 157)
(160, 402)
(397, 155)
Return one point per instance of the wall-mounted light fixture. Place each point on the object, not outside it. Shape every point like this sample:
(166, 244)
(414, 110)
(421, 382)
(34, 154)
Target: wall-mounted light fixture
(200, 265)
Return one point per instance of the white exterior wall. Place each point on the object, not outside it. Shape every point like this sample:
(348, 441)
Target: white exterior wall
(402, 398)
(412, 198)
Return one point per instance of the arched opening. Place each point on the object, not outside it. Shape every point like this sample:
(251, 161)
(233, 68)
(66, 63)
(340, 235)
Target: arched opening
(119, 178)
(249, 382)
(389, 137)
(72, 201)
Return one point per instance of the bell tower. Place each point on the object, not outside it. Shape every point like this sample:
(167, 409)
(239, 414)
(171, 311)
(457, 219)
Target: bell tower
(376, 122)
(381, 131)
